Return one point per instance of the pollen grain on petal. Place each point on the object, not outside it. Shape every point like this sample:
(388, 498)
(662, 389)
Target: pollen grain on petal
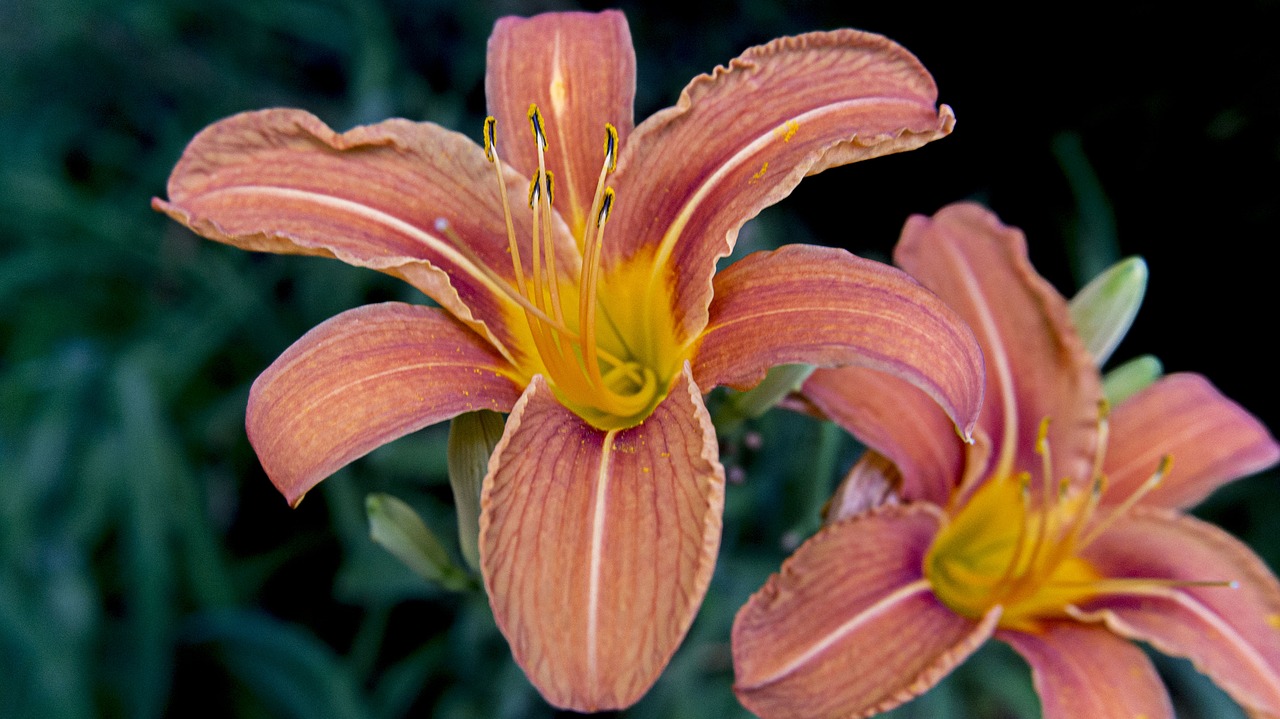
(787, 130)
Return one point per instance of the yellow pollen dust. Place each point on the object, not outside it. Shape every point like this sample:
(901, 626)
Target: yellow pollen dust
(602, 360)
(1018, 543)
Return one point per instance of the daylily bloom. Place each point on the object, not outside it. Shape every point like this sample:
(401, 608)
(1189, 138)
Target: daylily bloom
(1059, 530)
(572, 256)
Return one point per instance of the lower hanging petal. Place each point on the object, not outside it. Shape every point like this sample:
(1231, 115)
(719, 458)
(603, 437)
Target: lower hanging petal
(1082, 671)
(362, 379)
(1231, 633)
(849, 626)
(597, 547)
(822, 306)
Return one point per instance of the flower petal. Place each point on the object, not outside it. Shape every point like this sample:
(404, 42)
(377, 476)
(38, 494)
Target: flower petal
(848, 627)
(1037, 367)
(1082, 671)
(597, 547)
(362, 379)
(1230, 634)
(1212, 441)
(282, 181)
(872, 482)
(899, 422)
(826, 307)
(741, 138)
(580, 69)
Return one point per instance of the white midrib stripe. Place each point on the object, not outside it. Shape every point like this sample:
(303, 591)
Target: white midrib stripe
(597, 542)
(355, 208)
(1245, 649)
(677, 226)
(995, 352)
(870, 613)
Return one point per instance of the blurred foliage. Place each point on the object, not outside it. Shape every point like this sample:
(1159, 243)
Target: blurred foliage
(147, 567)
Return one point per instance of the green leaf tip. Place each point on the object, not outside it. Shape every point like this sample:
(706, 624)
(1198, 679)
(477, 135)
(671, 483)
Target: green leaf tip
(1103, 310)
(781, 381)
(1130, 378)
(398, 528)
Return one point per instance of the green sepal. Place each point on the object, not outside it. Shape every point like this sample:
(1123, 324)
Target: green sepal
(472, 437)
(1130, 378)
(1103, 310)
(394, 525)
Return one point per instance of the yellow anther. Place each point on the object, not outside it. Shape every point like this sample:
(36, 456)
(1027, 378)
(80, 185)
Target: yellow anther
(1099, 485)
(610, 147)
(1162, 471)
(1104, 410)
(535, 120)
(606, 204)
(1042, 437)
(490, 137)
(535, 187)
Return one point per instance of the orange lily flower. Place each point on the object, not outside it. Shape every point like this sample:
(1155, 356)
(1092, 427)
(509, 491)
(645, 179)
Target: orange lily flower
(574, 273)
(1066, 541)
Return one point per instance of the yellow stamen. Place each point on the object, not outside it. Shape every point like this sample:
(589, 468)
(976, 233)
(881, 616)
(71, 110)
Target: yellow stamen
(1162, 471)
(443, 227)
(601, 203)
(587, 303)
(491, 153)
(541, 203)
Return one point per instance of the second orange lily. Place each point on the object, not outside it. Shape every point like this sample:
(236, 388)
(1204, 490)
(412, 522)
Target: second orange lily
(1059, 531)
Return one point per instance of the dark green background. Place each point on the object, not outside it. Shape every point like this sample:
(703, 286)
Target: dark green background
(147, 567)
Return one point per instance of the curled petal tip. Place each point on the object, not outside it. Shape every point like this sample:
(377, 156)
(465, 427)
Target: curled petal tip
(948, 118)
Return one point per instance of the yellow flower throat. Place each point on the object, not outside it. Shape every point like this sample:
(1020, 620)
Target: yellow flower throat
(608, 354)
(1019, 547)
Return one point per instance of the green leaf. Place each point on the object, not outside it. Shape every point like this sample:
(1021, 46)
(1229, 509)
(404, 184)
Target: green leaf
(472, 437)
(1094, 244)
(399, 529)
(1103, 310)
(781, 381)
(1130, 378)
(286, 666)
